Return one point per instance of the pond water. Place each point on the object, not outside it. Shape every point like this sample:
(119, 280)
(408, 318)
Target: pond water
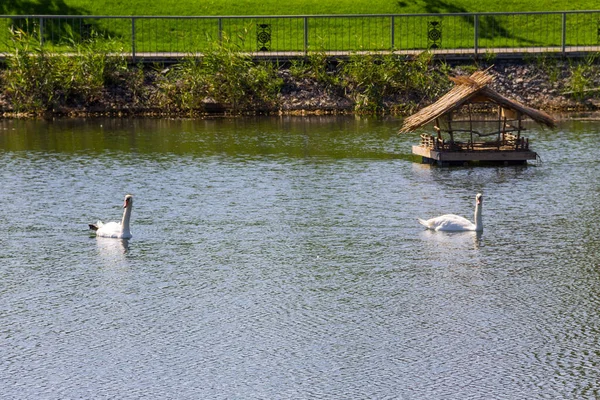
(281, 258)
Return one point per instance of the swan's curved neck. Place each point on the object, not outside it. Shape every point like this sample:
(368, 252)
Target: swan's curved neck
(478, 219)
(125, 220)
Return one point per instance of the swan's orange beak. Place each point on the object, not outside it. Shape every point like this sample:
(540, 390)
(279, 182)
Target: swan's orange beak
(125, 204)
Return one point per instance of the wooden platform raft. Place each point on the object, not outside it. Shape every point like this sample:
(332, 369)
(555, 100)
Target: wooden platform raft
(464, 135)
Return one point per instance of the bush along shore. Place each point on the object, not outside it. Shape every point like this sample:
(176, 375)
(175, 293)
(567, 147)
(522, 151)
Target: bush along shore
(92, 79)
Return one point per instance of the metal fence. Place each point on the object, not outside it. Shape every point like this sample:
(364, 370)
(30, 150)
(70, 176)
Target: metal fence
(470, 34)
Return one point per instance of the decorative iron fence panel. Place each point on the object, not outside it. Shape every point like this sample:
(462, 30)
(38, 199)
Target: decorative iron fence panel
(171, 37)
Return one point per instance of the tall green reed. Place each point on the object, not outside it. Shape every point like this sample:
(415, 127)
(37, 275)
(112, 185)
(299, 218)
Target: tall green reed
(37, 80)
(582, 76)
(371, 79)
(223, 75)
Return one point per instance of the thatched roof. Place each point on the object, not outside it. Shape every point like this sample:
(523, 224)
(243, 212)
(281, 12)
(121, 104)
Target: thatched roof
(470, 89)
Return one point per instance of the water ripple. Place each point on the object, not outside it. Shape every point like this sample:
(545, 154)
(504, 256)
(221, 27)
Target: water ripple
(301, 273)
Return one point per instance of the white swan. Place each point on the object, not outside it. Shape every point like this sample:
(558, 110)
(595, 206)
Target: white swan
(455, 223)
(115, 229)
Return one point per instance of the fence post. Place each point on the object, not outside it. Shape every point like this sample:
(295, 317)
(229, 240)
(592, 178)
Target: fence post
(392, 32)
(305, 35)
(220, 27)
(476, 37)
(41, 31)
(133, 40)
(564, 33)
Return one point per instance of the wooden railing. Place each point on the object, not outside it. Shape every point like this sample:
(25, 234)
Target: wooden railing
(509, 142)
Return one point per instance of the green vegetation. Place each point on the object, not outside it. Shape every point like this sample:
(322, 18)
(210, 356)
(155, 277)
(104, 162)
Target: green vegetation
(188, 35)
(372, 78)
(295, 34)
(224, 75)
(275, 7)
(582, 74)
(92, 76)
(37, 80)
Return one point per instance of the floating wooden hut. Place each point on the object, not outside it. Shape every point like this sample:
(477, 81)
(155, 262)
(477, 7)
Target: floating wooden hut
(464, 134)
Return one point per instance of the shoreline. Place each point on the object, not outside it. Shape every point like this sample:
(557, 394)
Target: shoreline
(554, 86)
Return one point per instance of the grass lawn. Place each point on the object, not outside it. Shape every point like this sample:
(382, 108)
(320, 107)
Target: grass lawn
(183, 35)
(277, 7)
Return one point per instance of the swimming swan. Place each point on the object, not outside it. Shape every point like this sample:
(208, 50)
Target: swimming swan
(455, 223)
(115, 229)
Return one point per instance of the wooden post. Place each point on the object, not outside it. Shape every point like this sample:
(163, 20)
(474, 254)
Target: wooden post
(499, 125)
(450, 127)
(133, 60)
(471, 126)
(519, 127)
(503, 140)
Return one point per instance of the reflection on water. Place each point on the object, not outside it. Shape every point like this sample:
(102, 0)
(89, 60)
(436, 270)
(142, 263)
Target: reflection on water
(332, 137)
(458, 240)
(282, 258)
(112, 249)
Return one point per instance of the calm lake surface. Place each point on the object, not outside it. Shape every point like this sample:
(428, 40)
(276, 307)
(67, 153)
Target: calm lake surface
(281, 258)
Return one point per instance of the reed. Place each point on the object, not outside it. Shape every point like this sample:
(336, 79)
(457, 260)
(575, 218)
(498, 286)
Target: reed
(28, 78)
(37, 80)
(371, 78)
(233, 78)
(582, 77)
(93, 75)
(222, 75)
(315, 66)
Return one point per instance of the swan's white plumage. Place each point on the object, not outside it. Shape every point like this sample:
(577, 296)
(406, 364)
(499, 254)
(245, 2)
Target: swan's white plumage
(456, 223)
(117, 230)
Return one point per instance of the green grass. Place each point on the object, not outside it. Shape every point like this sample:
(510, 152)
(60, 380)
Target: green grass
(276, 7)
(287, 34)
